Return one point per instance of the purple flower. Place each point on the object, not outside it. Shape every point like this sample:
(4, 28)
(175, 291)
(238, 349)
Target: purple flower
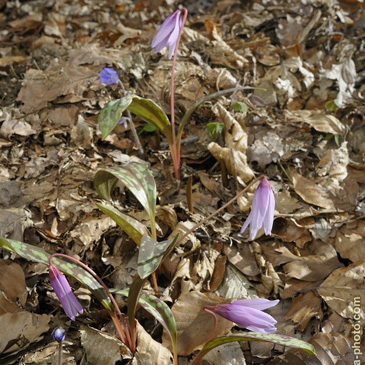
(108, 76)
(247, 313)
(168, 33)
(262, 212)
(59, 334)
(64, 293)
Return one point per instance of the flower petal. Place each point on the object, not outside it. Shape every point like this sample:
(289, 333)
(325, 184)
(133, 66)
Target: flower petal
(256, 303)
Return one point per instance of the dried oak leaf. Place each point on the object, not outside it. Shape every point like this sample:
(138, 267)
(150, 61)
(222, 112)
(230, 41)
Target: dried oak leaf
(341, 288)
(193, 324)
(234, 154)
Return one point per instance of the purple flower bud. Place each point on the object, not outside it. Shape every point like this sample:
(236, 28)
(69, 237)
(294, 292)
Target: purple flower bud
(108, 76)
(247, 313)
(59, 334)
(262, 212)
(64, 293)
(168, 33)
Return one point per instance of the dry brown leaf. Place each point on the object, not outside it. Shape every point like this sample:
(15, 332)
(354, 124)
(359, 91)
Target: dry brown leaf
(343, 287)
(312, 192)
(288, 230)
(102, 348)
(317, 266)
(317, 119)
(12, 282)
(350, 242)
(41, 87)
(234, 154)
(193, 324)
(149, 351)
(19, 330)
(303, 308)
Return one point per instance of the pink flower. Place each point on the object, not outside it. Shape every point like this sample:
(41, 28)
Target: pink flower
(248, 313)
(262, 212)
(168, 33)
(64, 293)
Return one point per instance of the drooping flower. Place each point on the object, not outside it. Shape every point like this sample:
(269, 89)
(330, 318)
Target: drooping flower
(247, 313)
(60, 285)
(262, 211)
(108, 76)
(168, 33)
(59, 334)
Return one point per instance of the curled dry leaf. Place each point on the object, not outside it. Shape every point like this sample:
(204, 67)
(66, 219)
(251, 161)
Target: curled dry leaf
(343, 287)
(102, 348)
(317, 266)
(303, 308)
(350, 242)
(234, 154)
(193, 324)
(149, 351)
(317, 119)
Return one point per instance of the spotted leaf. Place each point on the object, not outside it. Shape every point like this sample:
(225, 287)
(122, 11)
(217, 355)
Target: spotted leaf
(136, 177)
(111, 114)
(151, 254)
(37, 254)
(254, 336)
(129, 225)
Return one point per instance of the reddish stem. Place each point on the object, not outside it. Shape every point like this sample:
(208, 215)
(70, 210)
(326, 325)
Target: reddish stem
(123, 332)
(175, 152)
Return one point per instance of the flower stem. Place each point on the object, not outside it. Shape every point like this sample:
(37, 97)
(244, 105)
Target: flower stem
(133, 128)
(174, 151)
(123, 332)
(59, 354)
(180, 239)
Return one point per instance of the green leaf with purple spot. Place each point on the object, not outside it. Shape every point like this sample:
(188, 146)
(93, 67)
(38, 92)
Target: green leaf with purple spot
(110, 116)
(37, 254)
(136, 177)
(129, 225)
(151, 254)
(254, 336)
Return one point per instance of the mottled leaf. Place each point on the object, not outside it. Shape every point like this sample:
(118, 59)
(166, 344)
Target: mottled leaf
(136, 177)
(111, 114)
(152, 113)
(129, 225)
(254, 336)
(151, 254)
(37, 254)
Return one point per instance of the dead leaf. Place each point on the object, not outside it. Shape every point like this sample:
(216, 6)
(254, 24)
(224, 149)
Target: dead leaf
(343, 287)
(149, 351)
(102, 348)
(189, 316)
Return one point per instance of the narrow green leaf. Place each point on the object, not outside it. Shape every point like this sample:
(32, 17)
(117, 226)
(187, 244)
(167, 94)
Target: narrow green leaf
(133, 297)
(151, 254)
(111, 114)
(159, 309)
(129, 225)
(151, 113)
(37, 254)
(195, 105)
(136, 177)
(254, 336)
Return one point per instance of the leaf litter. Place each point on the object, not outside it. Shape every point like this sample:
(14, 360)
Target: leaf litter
(303, 129)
